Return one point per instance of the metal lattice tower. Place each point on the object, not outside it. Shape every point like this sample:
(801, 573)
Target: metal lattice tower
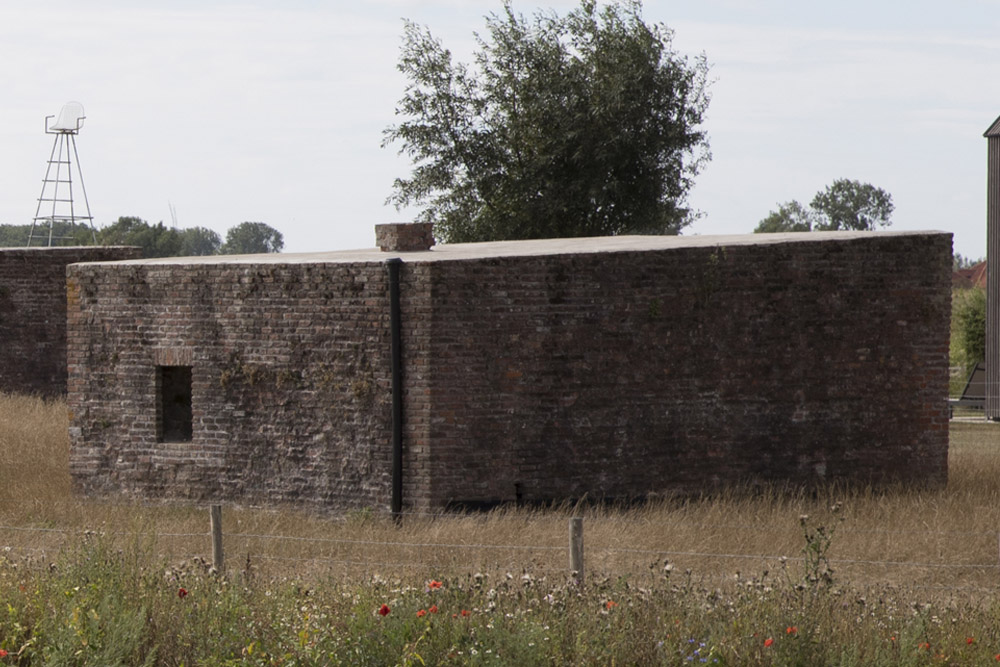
(56, 203)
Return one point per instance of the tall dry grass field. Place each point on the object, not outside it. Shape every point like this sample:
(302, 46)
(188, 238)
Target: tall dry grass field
(939, 539)
(837, 577)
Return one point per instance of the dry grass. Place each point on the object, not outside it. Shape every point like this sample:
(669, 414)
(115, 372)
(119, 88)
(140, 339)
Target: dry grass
(951, 533)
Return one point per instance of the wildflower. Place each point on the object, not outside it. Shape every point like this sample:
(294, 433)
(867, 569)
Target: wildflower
(433, 609)
(609, 604)
(434, 585)
(997, 657)
(182, 593)
(791, 630)
(969, 640)
(924, 645)
(421, 613)
(383, 610)
(465, 612)
(3, 653)
(768, 642)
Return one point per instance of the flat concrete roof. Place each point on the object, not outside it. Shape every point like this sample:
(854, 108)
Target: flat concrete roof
(572, 246)
(41, 249)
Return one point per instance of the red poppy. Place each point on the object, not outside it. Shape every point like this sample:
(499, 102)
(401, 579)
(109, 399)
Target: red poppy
(465, 612)
(791, 630)
(383, 610)
(434, 584)
(969, 640)
(768, 642)
(997, 657)
(182, 593)
(433, 609)
(924, 645)
(3, 653)
(609, 604)
(421, 613)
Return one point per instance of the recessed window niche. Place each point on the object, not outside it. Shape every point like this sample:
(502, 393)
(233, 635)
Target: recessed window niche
(174, 385)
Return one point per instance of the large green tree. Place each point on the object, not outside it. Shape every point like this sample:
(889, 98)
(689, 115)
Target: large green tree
(843, 205)
(853, 205)
(790, 217)
(586, 124)
(250, 238)
(155, 240)
(197, 241)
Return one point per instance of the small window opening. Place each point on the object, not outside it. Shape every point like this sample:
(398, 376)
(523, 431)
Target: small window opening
(175, 403)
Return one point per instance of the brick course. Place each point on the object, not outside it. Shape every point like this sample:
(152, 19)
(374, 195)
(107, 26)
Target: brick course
(404, 236)
(611, 368)
(33, 314)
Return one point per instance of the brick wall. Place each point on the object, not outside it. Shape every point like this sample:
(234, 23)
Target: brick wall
(404, 236)
(33, 314)
(635, 373)
(290, 380)
(535, 370)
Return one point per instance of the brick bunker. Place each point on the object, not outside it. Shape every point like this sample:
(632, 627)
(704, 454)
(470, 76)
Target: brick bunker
(33, 314)
(531, 370)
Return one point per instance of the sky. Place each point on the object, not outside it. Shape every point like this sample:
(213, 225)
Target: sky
(213, 113)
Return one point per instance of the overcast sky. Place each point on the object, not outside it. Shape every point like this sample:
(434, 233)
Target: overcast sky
(273, 111)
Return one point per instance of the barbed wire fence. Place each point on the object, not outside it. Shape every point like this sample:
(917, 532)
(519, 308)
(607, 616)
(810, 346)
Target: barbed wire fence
(576, 555)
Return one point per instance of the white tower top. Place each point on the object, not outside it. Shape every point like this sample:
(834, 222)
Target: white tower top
(70, 119)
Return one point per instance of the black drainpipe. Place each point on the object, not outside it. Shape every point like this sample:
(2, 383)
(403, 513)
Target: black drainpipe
(395, 328)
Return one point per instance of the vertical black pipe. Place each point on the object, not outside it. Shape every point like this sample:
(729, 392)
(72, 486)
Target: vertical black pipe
(395, 328)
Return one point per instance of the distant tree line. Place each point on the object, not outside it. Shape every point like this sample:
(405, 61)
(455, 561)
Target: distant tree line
(845, 205)
(960, 262)
(156, 240)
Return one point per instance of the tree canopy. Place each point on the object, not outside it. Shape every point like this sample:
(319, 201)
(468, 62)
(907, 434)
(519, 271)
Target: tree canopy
(970, 325)
(586, 124)
(155, 240)
(158, 240)
(790, 217)
(843, 205)
(63, 234)
(852, 205)
(197, 241)
(960, 262)
(249, 238)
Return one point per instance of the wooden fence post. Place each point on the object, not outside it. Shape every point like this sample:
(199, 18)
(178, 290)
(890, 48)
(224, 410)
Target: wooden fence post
(215, 516)
(576, 548)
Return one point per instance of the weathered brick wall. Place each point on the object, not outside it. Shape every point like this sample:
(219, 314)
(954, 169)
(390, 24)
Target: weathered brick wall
(404, 236)
(612, 368)
(635, 373)
(33, 314)
(290, 381)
